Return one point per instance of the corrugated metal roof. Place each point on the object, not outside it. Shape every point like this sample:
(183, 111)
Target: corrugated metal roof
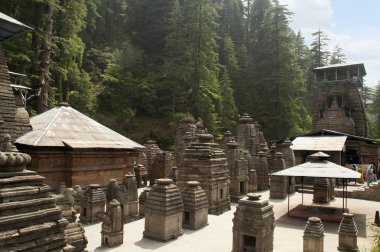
(64, 126)
(321, 169)
(10, 27)
(319, 143)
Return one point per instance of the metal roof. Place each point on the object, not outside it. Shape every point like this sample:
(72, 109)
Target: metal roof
(361, 65)
(320, 169)
(319, 143)
(10, 27)
(64, 126)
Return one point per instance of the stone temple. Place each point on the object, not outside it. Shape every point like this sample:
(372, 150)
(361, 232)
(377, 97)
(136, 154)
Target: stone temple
(339, 105)
(205, 162)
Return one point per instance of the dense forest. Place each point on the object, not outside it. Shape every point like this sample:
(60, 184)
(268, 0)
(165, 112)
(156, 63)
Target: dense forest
(138, 66)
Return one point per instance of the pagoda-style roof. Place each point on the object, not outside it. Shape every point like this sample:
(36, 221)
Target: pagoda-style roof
(10, 27)
(64, 126)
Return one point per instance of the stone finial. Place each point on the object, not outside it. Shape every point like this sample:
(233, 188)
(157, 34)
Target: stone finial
(245, 119)
(253, 196)
(313, 235)
(205, 138)
(348, 233)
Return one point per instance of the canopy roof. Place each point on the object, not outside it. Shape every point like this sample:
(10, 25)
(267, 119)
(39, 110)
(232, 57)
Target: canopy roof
(319, 143)
(10, 27)
(319, 168)
(64, 126)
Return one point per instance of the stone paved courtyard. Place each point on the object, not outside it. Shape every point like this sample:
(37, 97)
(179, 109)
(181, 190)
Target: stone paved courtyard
(217, 236)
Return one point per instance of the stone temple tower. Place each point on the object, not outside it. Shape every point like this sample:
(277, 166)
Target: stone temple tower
(339, 105)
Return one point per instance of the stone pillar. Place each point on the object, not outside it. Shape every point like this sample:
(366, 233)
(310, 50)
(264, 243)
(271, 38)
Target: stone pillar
(92, 204)
(173, 174)
(142, 199)
(131, 204)
(163, 211)
(332, 188)
(112, 226)
(313, 235)
(348, 233)
(252, 181)
(195, 203)
(253, 225)
(321, 190)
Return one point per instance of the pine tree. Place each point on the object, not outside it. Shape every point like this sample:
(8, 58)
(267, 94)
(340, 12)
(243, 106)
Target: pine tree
(338, 56)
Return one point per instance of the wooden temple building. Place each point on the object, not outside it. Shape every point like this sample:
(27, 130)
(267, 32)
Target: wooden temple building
(68, 146)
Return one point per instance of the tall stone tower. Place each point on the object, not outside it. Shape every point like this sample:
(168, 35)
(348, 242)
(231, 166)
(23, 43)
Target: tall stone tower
(339, 105)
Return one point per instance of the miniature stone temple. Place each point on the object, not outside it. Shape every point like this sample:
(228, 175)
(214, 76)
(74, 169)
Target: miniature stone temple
(339, 106)
(112, 226)
(205, 162)
(161, 165)
(131, 205)
(321, 188)
(92, 204)
(348, 233)
(78, 196)
(238, 168)
(262, 171)
(278, 184)
(163, 211)
(287, 152)
(253, 225)
(151, 150)
(141, 175)
(313, 235)
(227, 137)
(195, 203)
(142, 199)
(74, 231)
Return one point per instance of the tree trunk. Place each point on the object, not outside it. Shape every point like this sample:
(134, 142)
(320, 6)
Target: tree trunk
(42, 92)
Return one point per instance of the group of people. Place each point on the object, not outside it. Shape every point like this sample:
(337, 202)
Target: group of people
(368, 173)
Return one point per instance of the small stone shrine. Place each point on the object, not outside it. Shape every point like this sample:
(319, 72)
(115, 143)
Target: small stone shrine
(261, 166)
(195, 215)
(141, 175)
(161, 165)
(205, 162)
(278, 184)
(287, 152)
(321, 190)
(112, 226)
(151, 150)
(74, 231)
(92, 205)
(163, 211)
(348, 233)
(78, 196)
(131, 205)
(253, 225)
(227, 137)
(142, 199)
(313, 235)
(238, 168)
